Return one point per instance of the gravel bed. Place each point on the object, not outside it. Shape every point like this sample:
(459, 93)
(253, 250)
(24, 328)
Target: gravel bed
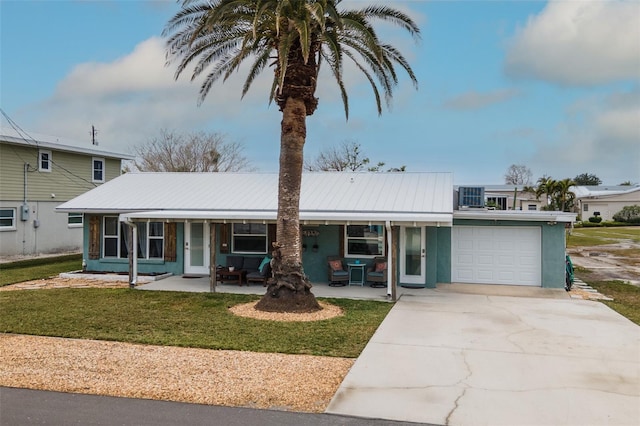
(234, 378)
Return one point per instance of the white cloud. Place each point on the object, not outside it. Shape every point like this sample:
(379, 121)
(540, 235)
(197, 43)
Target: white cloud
(130, 99)
(579, 43)
(476, 100)
(600, 136)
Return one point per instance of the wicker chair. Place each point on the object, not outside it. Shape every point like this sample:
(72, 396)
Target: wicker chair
(377, 272)
(338, 275)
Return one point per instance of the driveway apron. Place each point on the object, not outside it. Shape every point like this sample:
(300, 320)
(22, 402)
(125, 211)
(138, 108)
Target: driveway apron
(463, 359)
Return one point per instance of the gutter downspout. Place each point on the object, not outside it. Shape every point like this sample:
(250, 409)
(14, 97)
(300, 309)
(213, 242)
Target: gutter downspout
(391, 285)
(133, 253)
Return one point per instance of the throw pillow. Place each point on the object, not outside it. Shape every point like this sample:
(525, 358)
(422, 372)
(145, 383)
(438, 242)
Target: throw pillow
(381, 266)
(266, 260)
(335, 265)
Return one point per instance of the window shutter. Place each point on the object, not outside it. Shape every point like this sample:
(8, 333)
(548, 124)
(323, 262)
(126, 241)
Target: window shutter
(94, 237)
(225, 231)
(272, 230)
(170, 242)
(341, 239)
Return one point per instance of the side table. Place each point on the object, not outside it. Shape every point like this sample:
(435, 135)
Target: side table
(356, 267)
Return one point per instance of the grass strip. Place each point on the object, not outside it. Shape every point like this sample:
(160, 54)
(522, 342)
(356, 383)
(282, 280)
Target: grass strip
(35, 269)
(199, 320)
(601, 236)
(626, 297)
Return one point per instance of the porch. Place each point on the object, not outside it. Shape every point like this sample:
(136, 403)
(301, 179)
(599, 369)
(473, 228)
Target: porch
(201, 285)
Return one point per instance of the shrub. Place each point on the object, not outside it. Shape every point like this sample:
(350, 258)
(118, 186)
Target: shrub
(595, 219)
(629, 214)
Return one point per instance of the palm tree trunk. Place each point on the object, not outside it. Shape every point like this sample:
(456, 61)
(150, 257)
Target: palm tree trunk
(290, 289)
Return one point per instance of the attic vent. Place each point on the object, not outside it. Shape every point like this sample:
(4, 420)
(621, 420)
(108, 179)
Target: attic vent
(471, 196)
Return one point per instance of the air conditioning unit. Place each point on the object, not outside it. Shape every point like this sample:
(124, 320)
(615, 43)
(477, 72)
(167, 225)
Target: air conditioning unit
(471, 197)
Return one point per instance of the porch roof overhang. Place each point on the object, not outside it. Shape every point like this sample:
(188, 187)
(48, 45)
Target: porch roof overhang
(306, 217)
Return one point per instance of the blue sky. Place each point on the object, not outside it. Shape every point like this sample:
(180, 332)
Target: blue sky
(551, 85)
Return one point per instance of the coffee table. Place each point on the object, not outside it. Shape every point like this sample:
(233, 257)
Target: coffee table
(224, 275)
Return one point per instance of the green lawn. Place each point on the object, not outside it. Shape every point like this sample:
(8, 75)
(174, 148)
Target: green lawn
(626, 297)
(601, 236)
(35, 269)
(199, 320)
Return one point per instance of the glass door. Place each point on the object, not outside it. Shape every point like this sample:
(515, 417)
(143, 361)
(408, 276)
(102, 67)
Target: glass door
(196, 248)
(412, 255)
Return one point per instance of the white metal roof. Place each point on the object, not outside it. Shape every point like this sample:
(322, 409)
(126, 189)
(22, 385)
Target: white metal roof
(325, 197)
(36, 140)
(603, 191)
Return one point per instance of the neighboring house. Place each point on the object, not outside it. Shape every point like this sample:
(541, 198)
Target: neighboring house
(606, 201)
(501, 197)
(38, 173)
(186, 221)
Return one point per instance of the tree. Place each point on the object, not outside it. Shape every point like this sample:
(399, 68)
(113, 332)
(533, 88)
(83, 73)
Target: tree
(294, 37)
(546, 186)
(518, 174)
(558, 193)
(347, 156)
(563, 196)
(587, 179)
(192, 152)
(626, 183)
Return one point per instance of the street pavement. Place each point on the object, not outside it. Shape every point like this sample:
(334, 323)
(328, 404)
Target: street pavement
(24, 407)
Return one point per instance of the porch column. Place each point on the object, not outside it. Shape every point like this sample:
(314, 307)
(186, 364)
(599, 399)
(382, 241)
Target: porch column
(212, 257)
(133, 254)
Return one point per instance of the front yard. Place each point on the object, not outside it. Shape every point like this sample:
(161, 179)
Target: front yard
(198, 320)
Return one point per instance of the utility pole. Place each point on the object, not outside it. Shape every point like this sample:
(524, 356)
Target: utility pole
(93, 134)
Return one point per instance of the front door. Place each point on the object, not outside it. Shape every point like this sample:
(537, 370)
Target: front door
(196, 248)
(412, 255)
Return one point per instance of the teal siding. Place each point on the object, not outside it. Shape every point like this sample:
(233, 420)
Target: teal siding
(432, 257)
(438, 256)
(444, 255)
(145, 266)
(553, 240)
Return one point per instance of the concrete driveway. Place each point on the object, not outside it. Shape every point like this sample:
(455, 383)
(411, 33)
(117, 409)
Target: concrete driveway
(451, 358)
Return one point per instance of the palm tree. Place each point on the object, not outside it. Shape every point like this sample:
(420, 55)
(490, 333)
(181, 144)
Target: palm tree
(294, 37)
(546, 187)
(563, 194)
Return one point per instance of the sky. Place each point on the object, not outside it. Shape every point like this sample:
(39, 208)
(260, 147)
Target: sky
(554, 86)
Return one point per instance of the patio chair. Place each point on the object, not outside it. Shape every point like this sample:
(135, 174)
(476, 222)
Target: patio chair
(338, 275)
(262, 274)
(377, 272)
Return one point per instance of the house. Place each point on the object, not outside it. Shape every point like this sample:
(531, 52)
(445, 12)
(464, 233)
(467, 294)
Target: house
(186, 223)
(37, 174)
(606, 201)
(507, 197)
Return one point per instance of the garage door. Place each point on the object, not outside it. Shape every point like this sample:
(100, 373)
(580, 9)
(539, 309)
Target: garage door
(496, 255)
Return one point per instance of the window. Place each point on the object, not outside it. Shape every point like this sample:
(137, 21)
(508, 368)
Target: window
(532, 207)
(97, 171)
(585, 207)
(44, 161)
(75, 220)
(7, 219)
(249, 238)
(150, 239)
(364, 240)
(499, 203)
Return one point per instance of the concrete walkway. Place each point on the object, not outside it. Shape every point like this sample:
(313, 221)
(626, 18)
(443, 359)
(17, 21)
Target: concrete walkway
(446, 357)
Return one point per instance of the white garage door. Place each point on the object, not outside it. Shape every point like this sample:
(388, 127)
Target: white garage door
(496, 255)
